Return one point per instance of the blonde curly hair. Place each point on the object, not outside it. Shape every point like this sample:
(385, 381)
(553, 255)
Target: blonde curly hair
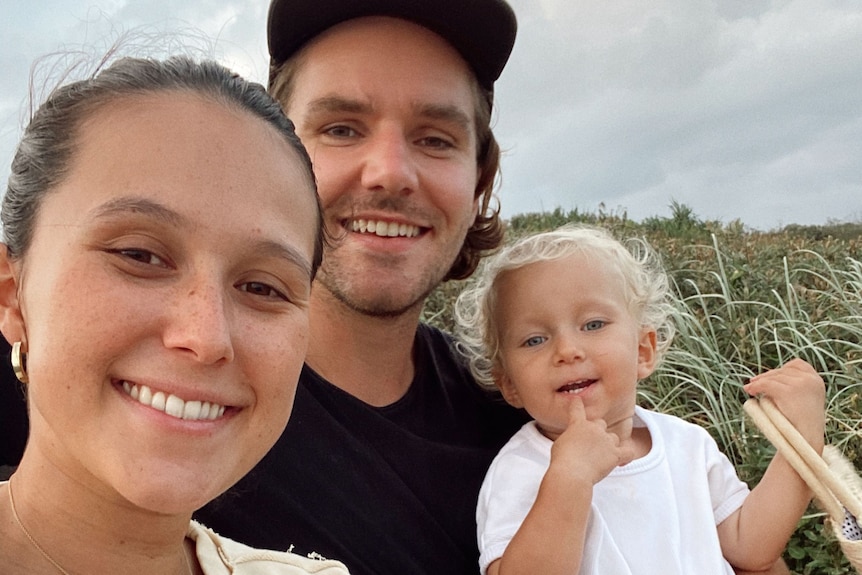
(646, 287)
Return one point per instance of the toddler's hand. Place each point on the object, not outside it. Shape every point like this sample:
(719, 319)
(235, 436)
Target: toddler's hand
(799, 393)
(586, 450)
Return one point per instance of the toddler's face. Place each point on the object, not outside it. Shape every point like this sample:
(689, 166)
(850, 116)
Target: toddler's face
(566, 330)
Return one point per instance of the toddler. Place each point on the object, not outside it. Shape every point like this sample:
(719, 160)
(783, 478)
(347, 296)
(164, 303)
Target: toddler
(565, 324)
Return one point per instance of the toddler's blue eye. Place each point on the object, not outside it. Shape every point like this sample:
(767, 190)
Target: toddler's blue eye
(534, 341)
(594, 325)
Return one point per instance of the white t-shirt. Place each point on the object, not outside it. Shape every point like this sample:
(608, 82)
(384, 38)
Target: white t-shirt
(655, 516)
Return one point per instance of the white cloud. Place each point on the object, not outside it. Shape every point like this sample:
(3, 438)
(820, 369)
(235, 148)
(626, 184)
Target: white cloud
(743, 110)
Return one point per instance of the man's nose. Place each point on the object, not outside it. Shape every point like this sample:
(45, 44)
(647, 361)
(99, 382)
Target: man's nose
(389, 164)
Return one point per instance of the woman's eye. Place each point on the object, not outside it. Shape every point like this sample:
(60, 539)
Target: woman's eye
(262, 290)
(141, 256)
(594, 325)
(534, 341)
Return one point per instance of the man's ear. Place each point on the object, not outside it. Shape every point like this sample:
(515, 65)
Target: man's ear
(11, 317)
(507, 388)
(647, 354)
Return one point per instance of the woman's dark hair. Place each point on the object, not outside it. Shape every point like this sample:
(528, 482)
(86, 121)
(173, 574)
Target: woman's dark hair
(46, 150)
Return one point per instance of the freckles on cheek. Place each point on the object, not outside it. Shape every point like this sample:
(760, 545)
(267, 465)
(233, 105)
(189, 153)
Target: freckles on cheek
(274, 409)
(277, 361)
(89, 303)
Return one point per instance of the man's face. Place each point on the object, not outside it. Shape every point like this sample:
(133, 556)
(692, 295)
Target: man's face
(386, 110)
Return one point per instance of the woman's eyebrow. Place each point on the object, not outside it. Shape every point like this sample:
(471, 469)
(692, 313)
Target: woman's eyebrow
(269, 248)
(138, 205)
(155, 210)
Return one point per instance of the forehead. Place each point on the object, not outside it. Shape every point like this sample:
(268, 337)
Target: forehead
(208, 159)
(579, 276)
(183, 134)
(380, 57)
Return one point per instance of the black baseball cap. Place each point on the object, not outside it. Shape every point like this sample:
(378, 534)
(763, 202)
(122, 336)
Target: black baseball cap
(483, 31)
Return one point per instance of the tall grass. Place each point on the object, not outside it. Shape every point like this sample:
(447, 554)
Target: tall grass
(725, 337)
(746, 302)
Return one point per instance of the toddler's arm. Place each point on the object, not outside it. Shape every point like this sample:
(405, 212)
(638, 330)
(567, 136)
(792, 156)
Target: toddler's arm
(551, 538)
(757, 533)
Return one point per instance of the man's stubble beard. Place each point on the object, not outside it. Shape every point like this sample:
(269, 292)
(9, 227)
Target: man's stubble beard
(387, 302)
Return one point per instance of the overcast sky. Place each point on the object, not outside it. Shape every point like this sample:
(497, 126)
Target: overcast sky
(739, 109)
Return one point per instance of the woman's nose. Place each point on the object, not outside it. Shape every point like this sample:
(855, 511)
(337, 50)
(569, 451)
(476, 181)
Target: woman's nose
(200, 323)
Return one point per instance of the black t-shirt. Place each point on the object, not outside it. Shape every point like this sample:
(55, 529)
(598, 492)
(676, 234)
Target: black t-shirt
(388, 491)
(14, 424)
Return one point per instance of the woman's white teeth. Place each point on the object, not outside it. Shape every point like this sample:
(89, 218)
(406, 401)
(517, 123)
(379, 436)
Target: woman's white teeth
(173, 405)
(385, 229)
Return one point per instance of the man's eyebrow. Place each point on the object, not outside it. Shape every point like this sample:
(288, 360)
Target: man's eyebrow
(338, 104)
(137, 205)
(446, 113)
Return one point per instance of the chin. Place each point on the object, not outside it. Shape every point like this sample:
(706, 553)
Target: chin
(176, 490)
(172, 500)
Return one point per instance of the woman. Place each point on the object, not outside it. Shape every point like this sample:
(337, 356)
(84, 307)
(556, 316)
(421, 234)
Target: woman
(161, 232)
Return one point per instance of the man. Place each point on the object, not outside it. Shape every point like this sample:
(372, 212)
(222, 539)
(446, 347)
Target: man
(389, 440)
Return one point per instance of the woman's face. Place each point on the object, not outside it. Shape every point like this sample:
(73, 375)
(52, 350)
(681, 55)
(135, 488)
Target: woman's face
(168, 274)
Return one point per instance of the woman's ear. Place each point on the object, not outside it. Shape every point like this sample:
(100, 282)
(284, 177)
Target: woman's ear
(647, 354)
(507, 388)
(11, 318)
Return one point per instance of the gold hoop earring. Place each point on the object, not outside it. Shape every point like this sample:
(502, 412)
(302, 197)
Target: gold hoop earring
(19, 362)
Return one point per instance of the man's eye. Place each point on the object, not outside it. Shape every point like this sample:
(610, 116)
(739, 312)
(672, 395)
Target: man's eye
(341, 132)
(262, 290)
(436, 143)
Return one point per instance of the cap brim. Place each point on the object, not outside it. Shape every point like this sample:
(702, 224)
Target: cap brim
(482, 31)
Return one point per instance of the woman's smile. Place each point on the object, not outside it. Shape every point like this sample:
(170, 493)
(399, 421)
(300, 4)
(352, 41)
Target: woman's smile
(172, 405)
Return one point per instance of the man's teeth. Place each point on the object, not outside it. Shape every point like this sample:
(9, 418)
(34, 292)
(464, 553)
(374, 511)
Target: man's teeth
(385, 229)
(173, 405)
